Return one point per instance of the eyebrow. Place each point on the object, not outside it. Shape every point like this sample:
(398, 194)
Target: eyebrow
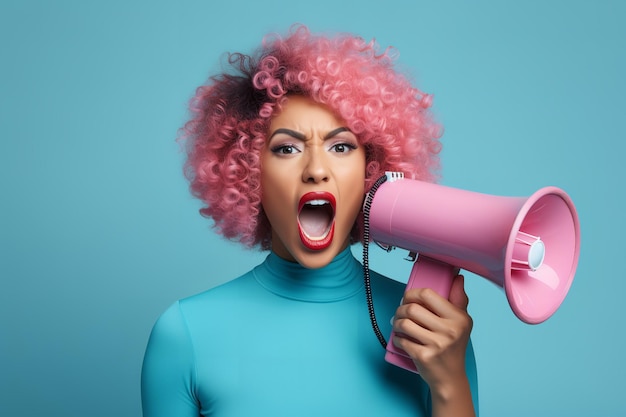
(301, 136)
(289, 132)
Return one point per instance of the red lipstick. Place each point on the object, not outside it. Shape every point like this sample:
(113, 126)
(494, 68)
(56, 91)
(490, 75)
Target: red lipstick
(316, 219)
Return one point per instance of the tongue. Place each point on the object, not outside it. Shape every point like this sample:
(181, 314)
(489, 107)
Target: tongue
(314, 221)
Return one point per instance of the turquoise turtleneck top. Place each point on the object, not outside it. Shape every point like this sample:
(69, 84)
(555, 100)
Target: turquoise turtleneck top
(282, 340)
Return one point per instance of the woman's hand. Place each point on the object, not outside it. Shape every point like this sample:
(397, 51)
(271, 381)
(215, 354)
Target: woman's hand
(435, 332)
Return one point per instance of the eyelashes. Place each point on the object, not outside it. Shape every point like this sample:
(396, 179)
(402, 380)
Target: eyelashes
(284, 149)
(341, 147)
(344, 147)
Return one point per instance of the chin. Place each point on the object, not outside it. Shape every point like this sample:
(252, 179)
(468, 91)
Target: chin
(315, 259)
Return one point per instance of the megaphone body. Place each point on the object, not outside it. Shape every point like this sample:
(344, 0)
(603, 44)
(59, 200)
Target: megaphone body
(527, 246)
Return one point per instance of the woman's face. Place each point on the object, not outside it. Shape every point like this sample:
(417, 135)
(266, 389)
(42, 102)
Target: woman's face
(312, 179)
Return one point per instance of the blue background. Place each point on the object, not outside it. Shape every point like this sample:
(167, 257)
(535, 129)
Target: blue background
(98, 233)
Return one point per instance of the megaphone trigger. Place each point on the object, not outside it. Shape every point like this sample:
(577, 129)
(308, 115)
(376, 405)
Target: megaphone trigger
(411, 256)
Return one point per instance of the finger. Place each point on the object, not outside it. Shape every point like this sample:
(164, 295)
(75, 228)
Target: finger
(418, 314)
(458, 296)
(412, 333)
(432, 301)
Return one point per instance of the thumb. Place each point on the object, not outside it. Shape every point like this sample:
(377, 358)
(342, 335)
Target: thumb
(458, 297)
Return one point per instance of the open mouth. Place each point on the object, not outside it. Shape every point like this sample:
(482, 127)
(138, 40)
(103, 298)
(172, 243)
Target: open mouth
(316, 219)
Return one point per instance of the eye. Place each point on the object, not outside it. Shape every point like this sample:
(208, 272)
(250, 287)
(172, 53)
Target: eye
(343, 147)
(285, 149)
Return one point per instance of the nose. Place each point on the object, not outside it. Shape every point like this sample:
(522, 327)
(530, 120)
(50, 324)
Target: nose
(316, 168)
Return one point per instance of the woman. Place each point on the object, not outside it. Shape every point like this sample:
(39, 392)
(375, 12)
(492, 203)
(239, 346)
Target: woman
(282, 151)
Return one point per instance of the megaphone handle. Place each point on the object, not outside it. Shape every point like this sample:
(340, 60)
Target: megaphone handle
(426, 273)
(431, 273)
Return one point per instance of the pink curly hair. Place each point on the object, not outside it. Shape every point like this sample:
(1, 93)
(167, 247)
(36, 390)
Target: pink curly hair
(231, 115)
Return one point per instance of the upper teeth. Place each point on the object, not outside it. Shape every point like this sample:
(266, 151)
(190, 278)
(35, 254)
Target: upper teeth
(317, 202)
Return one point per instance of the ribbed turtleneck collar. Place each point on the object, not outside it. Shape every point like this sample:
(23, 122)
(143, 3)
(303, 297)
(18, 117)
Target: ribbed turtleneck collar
(340, 279)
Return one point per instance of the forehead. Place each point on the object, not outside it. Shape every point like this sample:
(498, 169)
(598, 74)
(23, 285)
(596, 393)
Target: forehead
(302, 112)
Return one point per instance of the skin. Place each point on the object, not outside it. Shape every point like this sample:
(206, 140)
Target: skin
(435, 333)
(310, 150)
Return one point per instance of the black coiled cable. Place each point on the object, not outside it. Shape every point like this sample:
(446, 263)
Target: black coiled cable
(366, 270)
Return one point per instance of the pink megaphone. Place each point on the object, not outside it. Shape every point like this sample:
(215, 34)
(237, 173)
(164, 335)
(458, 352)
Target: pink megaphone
(527, 246)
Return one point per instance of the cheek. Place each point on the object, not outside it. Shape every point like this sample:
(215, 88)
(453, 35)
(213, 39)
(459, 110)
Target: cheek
(354, 191)
(357, 175)
(275, 192)
(356, 197)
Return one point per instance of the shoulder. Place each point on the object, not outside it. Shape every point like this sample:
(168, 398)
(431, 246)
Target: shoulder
(386, 297)
(169, 346)
(174, 319)
(178, 328)
(233, 291)
(386, 288)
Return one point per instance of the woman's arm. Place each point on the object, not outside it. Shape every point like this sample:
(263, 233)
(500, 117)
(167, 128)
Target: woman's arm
(435, 332)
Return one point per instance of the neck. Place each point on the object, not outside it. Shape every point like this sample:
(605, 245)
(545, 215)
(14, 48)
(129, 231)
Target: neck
(340, 279)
